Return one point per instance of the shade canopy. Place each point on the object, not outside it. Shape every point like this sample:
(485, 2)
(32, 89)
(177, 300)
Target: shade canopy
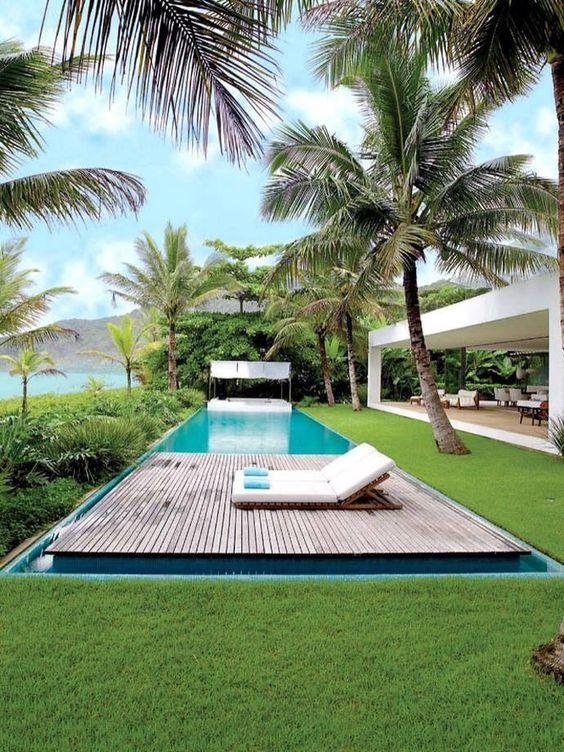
(242, 369)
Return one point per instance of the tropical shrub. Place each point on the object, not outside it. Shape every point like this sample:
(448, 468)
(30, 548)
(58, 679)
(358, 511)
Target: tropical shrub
(203, 337)
(19, 455)
(96, 448)
(191, 398)
(556, 435)
(28, 510)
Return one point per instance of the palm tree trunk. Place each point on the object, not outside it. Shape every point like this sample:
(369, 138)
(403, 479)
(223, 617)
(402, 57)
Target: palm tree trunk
(172, 381)
(350, 360)
(557, 67)
(24, 395)
(445, 436)
(128, 374)
(325, 369)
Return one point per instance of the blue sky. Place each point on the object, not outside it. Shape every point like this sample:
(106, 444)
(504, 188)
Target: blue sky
(213, 198)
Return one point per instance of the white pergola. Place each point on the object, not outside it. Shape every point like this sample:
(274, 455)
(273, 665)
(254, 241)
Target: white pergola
(243, 369)
(523, 317)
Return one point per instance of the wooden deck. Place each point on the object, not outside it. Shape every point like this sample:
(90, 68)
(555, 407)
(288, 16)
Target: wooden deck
(180, 504)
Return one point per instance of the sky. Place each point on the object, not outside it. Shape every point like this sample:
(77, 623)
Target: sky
(213, 198)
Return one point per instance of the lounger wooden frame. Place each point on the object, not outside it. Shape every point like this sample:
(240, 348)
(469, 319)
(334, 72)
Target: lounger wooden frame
(368, 497)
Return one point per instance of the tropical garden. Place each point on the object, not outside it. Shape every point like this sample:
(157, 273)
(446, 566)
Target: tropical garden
(411, 192)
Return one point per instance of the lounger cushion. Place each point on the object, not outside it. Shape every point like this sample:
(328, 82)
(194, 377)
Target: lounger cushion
(367, 469)
(256, 483)
(281, 491)
(255, 472)
(339, 465)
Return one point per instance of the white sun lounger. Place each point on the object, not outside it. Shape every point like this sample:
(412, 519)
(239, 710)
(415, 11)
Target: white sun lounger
(349, 482)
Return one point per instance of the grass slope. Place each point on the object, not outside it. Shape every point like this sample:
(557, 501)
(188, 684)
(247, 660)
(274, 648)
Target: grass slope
(170, 665)
(520, 490)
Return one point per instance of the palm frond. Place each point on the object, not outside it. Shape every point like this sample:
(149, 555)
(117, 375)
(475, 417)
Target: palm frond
(66, 195)
(185, 63)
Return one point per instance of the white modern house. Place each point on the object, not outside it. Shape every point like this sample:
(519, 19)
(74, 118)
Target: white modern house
(522, 317)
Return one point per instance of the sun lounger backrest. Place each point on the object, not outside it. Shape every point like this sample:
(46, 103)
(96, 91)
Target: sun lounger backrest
(360, 473)
(340, 464)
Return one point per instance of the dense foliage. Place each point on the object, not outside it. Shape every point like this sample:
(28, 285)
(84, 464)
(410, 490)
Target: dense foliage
(66, 443)
(203, 337)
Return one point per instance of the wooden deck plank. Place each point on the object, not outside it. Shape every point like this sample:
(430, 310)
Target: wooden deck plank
(180, 504)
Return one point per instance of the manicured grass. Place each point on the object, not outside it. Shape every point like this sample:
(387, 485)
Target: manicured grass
(175, 665)
(520, 490)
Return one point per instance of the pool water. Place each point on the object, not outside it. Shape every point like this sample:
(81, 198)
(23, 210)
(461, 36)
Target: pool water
(250, 433)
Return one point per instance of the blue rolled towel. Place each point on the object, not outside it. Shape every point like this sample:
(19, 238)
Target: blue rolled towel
(256, 472)
(256, 484)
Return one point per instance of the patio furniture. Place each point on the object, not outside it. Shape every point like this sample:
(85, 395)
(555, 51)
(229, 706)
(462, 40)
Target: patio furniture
(464, 398)
(515, 396)
(349, 482)
(417, 399)
(535, 409)
(502, 396)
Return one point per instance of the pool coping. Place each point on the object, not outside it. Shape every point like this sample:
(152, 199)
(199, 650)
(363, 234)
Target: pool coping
(554, 568)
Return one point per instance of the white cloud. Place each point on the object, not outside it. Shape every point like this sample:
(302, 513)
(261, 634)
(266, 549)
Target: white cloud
(93, 112)
(546, 121)
(336, 109)
(192, 159)
(513, 138)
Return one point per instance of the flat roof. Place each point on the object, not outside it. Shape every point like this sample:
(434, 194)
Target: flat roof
(515, 317)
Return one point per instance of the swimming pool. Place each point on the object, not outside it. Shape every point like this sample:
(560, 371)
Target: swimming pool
(261, 433)
(250, 433)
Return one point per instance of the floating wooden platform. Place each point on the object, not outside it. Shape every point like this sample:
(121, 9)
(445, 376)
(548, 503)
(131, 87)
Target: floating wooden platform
(180, 504)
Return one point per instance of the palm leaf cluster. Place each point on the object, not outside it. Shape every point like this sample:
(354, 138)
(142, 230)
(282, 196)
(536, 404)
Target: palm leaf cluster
(186, 63)
(169, 281)
(31, 82)
(21, 310)
(410, 192)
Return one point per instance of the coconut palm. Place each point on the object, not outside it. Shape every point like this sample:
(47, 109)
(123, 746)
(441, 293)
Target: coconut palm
(20, 309)
(498, 46)
(348, 289)
(412, 190)
(187, 63)
(127, 353)
(30, 85)
(294, 326)
(169, 281)
(27, 364)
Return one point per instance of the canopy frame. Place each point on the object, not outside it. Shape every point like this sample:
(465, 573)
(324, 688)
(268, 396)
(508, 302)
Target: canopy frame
(236, 370)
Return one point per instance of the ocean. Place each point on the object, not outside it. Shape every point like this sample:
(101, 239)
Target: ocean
(10, 386)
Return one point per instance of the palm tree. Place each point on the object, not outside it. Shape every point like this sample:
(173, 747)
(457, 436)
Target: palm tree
(127, 344)
(169, 281)
(412, 190)
(348, 289)
(293, 326)
(20, 310)
(187, 63)
(30, 85)
(498, 46)
(27, 364)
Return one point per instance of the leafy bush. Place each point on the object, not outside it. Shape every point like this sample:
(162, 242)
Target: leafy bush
(97, 448)
(24, 513)
(363, 393)
(191, 398)
(556, 435)
(308, 402)
(203, 337)
(19, 456)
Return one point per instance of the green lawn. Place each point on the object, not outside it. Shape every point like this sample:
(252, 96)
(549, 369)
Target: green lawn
(393, 665)
(520, 490)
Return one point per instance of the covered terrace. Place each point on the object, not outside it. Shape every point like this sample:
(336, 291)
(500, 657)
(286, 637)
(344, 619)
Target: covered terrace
(522, 317)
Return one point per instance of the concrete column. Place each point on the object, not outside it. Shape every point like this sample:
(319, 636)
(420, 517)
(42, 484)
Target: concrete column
(555, 356)
(374, 375)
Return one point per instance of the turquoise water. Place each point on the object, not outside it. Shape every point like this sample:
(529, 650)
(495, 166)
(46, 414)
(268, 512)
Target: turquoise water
(10, 386)
(261, 433)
